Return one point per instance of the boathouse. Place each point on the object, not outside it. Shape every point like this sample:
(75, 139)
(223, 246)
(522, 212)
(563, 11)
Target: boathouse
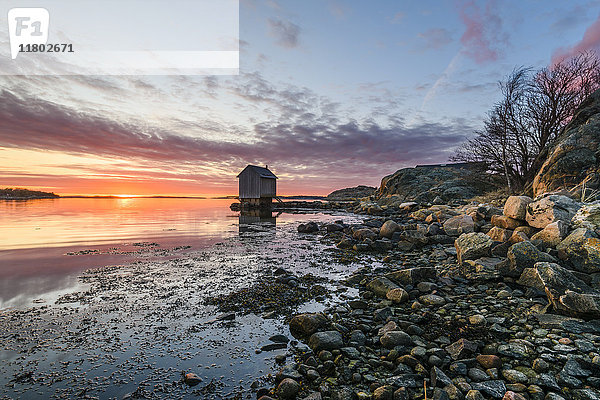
(257, 185)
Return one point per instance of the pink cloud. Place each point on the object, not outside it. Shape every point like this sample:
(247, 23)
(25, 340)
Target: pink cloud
(483, 33)
(590, 41)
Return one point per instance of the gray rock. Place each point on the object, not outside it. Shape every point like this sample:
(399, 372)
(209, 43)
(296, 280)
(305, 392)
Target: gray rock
(582, 250)
(309, 227)
(391, 339)
(288, 389)
(462, 348)
(524, 255)
(388, 228)
(381, 286)
(412, 276)
(304, 325)
(439, 378)
(458, 225)
(495, 389)
(397, 295)
(567, 293)
(328, 340)
(471, 246)
(588, 217)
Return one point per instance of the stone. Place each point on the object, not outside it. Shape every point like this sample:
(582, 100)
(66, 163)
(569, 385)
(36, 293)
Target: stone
(495, 388)
(502, 221)
(388, 228)
(568, 294)
(471, 246)
(500, 234)
(412, 276)
(517, 237)
(488, 361)
(510, 395)
(588, 216)
(439, 378)
(309, 227)
(477, 375)
(524, 255)
(397, 295)
(364, 233)
(530, 278)
(385, 392)
(582, 250)
(514, 376)
(516, 207)
(191, 379)
(550, 209)
(288, 388)
(328, 340)
(458, 225)
(474, 395)
(391, 339)
(552, 234)
(482, 269)
(304, 325)
(381, 286)
(477, 319)
(432, 300)
(462, 348)
(585, 394)
(334, 228)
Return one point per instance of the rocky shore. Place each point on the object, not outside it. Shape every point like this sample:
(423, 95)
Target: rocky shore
(472, 301)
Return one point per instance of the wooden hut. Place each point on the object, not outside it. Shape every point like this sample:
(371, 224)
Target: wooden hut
(258, 186)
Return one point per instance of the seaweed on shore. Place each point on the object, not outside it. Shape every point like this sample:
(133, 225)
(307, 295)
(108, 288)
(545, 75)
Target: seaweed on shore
(276, 295)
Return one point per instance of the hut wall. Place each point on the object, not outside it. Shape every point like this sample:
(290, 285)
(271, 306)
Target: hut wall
(268, 187)
(249, 185)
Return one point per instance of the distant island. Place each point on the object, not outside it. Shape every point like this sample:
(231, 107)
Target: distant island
(25, 194)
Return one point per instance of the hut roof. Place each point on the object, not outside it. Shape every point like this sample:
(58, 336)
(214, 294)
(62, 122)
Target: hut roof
(263, 172)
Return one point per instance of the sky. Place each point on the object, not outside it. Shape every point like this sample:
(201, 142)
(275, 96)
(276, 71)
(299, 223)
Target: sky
(330, 94)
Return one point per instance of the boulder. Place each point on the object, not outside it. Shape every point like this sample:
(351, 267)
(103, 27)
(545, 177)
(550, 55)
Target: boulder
(502, 221)
(397, 295)
(516, 207)
(500, 234)
(552, 234)
(328, 340)
(391, 339)
(483, 269)
(462, 348)
(352, 193)
(517, 237)
(364, 233)
(412, 276)
(550, 209)
(568, 294)
(381, 286)
(428, 182)
(288, 389)
(574, 159)
(304, 325)
(588, 216)
(471, 246)
(388, 228)
(524, 255)
(582, 250)
(309, 227)
(458, 225)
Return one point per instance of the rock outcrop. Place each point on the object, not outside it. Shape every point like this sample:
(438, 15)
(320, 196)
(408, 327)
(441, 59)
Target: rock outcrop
(352, 193)
(425, 183)
(576, 156)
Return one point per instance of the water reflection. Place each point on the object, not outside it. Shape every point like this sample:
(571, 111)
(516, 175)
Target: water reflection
(257, 221)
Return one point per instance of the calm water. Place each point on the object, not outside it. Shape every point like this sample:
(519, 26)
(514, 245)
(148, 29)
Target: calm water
(45, 243)
(144, 320)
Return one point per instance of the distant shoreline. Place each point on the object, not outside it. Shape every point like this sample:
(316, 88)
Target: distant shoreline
(303, 197)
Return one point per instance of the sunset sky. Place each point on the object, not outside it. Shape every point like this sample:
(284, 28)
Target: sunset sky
(330, 94)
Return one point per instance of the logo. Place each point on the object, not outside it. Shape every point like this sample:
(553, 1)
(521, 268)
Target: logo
(27, 26)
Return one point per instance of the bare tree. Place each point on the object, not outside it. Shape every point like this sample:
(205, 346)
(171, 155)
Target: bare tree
(524, 124)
